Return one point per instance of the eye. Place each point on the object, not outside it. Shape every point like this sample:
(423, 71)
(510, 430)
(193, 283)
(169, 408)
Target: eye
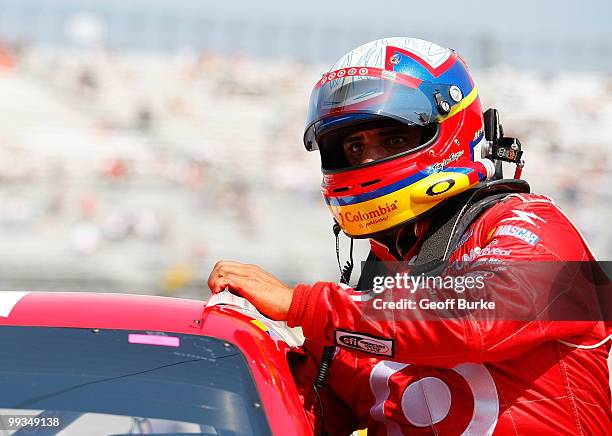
(397, 140)
(355, 147)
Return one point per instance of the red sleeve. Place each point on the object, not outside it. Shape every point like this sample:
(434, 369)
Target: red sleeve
(328, 313)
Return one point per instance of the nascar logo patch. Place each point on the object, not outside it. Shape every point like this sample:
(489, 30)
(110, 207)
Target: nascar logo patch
(517, 232)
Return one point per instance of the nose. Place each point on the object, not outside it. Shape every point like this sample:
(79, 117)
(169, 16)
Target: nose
(372, 152)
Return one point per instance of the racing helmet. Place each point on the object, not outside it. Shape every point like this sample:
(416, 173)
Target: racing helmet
(403, 81)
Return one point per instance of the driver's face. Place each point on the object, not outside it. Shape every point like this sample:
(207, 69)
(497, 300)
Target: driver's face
(370, 145)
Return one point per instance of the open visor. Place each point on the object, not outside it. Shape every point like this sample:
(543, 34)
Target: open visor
(340, 99)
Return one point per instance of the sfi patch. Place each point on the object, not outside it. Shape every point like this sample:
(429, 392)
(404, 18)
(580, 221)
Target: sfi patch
(365, 343)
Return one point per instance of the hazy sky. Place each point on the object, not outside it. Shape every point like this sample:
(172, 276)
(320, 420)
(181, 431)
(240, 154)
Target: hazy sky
(538, 17)
(540, 33)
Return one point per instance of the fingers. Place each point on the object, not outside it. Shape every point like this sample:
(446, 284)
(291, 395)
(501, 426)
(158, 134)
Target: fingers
(246, 270)
(220, 284)
(273, 302)
(239, 285)
(225, 268)
(217, 280)
(266, 292)
(228, 273)
(235, 282)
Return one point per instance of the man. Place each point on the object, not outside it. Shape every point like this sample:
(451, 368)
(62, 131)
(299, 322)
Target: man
(406, 163)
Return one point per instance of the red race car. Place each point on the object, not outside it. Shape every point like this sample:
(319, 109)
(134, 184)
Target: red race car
(89, 363)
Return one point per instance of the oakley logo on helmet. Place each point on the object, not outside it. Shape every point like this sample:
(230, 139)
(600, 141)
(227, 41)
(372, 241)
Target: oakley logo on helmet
(440, 187)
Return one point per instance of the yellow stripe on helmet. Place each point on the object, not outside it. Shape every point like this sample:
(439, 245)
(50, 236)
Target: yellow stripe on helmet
(465, 102)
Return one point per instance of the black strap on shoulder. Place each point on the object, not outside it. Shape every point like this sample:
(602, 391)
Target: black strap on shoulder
(447, 227)
(438, 246)
(366, 278)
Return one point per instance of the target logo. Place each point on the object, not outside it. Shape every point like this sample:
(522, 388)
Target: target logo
(461, 400)
(345, 72)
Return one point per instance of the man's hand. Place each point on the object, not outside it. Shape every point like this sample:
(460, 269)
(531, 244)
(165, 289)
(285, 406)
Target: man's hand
(267, 293)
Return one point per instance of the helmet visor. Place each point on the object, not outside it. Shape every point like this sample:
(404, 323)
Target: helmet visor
(378, 93)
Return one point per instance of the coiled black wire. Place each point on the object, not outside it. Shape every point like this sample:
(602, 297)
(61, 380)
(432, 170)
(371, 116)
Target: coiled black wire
(345, 273)
(328, 352)
(322, 373)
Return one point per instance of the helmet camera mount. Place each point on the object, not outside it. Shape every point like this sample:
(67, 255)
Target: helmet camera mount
(501, 148)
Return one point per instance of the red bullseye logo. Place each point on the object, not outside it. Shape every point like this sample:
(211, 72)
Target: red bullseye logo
(461, 400)
(342, 73)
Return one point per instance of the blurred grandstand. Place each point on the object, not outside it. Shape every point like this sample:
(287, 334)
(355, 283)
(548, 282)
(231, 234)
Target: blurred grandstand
(135, 171)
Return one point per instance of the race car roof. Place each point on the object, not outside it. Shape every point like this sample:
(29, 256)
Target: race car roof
(100, 310)
(263, 350)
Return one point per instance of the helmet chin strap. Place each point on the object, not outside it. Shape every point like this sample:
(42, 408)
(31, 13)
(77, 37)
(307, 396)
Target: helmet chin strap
(345, 273)
(405, 239)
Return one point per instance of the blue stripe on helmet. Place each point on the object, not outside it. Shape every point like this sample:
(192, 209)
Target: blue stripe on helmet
(353, 199)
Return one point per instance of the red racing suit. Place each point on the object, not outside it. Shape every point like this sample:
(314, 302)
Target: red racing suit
(452, 377)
